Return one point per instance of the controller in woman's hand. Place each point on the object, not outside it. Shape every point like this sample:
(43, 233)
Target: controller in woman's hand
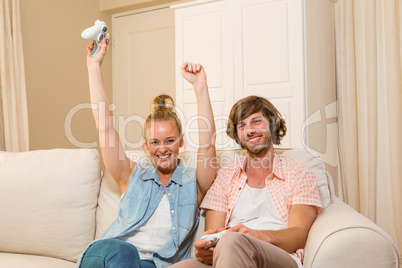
(96, 33)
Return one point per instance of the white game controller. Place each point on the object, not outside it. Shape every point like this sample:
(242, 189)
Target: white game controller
(96, 33)
(214, 238)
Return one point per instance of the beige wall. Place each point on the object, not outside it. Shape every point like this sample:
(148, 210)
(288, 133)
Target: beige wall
(55, 68)
(321, 90)
(116, 6)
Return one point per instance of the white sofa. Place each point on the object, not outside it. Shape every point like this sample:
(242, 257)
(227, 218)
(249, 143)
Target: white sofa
(55, 202)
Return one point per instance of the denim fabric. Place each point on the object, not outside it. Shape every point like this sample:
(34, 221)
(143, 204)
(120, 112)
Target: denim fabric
(142, 197)
(114, 253)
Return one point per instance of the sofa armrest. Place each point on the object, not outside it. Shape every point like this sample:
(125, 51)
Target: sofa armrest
(341, 237)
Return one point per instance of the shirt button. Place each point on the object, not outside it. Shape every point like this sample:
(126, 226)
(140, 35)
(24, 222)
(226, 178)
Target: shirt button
(228, 209)
(172, 211)
(174, 228)
(239, 188)
(168, 193)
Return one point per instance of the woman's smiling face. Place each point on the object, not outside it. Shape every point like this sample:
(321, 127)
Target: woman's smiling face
(163, 143)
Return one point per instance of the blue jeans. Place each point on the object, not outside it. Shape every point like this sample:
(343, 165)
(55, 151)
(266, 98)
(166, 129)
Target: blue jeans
(114, 253)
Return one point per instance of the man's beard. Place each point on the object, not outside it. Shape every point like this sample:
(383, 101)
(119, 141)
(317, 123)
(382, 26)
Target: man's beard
(259, 148)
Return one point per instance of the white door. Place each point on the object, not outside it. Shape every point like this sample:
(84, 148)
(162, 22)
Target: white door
(249, 47)
(268, 40)
(143, 67)
(203, 34)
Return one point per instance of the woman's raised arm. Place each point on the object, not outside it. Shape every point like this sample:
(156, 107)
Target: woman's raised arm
(206, 171)
(114, 157)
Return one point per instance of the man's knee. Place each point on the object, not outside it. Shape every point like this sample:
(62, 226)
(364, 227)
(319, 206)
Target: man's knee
(231, 239)
(229, 242)
(230, 250)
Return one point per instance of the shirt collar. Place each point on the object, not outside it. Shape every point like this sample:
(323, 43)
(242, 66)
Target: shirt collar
(278, 166)
(151, 174)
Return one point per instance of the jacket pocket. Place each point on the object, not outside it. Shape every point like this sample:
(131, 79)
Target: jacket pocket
(187, 207)
(133, 208)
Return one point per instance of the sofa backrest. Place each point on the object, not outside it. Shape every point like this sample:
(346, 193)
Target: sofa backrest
(48, 201)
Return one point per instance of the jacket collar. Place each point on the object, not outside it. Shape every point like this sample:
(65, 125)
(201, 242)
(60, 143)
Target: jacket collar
(151, 174)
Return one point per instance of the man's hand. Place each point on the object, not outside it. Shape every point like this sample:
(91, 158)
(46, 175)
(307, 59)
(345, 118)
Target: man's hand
(195, 74)
(240, 228)
(300, 219)
(203, 250)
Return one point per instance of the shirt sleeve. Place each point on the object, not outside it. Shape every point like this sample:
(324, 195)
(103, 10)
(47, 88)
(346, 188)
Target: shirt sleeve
(306, 191)
(216, 198)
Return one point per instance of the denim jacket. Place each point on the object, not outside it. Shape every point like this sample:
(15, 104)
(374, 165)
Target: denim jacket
(142, 197)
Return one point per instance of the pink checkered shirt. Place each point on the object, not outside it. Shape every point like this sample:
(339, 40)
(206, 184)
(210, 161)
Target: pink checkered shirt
(293, 183)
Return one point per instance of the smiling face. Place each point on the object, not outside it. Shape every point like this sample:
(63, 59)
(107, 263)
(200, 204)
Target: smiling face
(249, 106)
(163, 143)
(254, 134)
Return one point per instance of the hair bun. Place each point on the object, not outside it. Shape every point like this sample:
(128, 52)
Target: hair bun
(162, 109)
(162, 102)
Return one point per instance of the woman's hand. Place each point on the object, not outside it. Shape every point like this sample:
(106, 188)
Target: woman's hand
(97, 59)
(195, 74)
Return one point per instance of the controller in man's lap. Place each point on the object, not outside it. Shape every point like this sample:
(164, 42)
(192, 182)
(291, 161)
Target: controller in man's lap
(214, 238)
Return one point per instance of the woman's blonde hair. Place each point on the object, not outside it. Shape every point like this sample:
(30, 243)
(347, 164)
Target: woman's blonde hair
(162, 108)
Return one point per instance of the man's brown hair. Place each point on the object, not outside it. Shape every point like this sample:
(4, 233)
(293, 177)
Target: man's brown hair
(254, 104)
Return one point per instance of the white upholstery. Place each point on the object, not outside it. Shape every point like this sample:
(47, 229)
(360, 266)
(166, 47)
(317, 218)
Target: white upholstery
(108, 201)
(48, 201)
(341, 236)
(12, 260)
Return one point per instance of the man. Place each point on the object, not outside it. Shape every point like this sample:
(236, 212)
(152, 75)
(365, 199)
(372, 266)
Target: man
(268, 202)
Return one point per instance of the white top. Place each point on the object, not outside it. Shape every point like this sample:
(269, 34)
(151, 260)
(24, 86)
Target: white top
(154, 232)
(255, 210)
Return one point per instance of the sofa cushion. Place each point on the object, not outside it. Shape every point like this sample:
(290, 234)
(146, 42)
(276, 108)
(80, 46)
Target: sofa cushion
(11, 260)
(108, 201)
(48, 201)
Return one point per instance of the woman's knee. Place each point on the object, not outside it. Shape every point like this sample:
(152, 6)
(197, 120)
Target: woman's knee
(123, 253)
(125, 249)
(113, 251)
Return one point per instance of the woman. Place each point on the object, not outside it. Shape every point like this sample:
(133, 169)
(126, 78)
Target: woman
(158, 212)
